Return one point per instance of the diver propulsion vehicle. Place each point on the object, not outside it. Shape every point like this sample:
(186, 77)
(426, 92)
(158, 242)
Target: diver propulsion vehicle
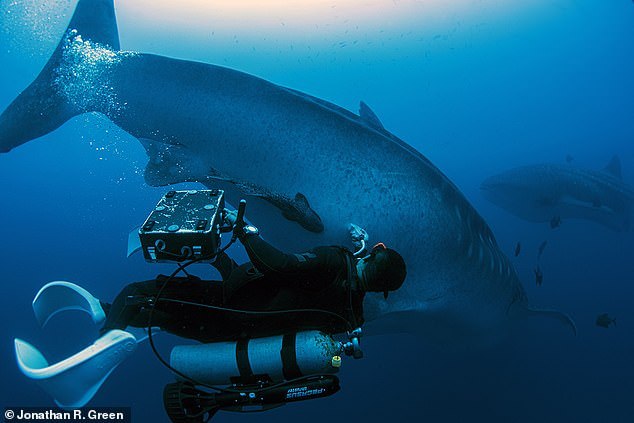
(250, 373)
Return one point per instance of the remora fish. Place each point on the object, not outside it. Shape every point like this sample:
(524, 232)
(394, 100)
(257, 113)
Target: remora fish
(218, 126)
(539, 192)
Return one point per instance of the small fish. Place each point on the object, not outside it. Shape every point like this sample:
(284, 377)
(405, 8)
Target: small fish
(604, 320)
(555, 222)
(518, 248)
(539, 276)
(569, 158)
(541, 248)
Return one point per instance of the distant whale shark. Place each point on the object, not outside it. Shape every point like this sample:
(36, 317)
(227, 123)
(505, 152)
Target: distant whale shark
(541, 193)
(308, 167)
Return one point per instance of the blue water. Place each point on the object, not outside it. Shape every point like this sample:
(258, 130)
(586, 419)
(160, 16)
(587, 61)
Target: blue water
(476, 93)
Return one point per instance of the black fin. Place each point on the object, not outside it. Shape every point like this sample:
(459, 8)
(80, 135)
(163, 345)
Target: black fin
(171, 164)
(614, 167)
(95, 20)
(299, 210)
(301, 201)
(369, 116)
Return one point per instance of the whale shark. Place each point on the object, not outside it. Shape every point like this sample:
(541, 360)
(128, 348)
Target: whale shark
(307, 167)
(548, 192)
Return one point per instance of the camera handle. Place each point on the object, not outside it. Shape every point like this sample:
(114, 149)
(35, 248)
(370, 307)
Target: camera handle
(239, 224)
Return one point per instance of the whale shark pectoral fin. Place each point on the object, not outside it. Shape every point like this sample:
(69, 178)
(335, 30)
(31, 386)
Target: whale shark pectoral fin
(369, 116)
(554, 314)
(295, 209)
(298, 210)
(74, 381)
(171, 164)
(58, 296)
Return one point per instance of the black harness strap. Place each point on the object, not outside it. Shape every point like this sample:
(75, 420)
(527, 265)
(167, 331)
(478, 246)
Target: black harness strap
(242, 358)
(290, 368)
(352, 318)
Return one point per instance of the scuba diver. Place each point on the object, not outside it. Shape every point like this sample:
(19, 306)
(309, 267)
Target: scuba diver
(325, 278)
(266, 329)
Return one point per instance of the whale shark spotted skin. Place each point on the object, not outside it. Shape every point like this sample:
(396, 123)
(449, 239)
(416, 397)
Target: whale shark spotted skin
(543, 192)
(309, 168)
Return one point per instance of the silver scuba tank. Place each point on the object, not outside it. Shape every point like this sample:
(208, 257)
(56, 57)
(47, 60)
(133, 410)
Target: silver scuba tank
(281, 357)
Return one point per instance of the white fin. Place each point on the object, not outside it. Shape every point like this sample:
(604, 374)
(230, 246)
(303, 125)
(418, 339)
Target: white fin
(74, 381)
(58, 296)
(134, 242)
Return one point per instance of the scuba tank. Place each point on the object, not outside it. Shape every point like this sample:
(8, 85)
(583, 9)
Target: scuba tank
(277, 358)
(262, 373)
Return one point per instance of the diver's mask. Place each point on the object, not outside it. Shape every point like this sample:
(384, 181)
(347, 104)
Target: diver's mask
(383, 270)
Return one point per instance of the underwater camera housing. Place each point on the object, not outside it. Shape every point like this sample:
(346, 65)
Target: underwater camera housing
(184, 225)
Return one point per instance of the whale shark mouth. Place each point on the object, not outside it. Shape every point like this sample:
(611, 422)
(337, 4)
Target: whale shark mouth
(597, 206)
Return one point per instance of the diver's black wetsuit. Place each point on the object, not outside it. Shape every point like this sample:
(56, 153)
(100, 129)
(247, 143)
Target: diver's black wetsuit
(271, 281)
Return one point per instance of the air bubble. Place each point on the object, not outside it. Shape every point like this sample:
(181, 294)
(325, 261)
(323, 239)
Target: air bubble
(83, 76)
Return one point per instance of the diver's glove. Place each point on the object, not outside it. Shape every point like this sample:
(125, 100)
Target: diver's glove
(230, 217)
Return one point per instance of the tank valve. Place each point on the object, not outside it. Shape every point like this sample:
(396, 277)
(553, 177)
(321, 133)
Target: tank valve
(336, 361)
(353, 347)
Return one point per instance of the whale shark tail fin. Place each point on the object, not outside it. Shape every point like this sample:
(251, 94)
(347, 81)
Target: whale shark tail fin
(95, 20)
(554, 314)
(44, 105)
